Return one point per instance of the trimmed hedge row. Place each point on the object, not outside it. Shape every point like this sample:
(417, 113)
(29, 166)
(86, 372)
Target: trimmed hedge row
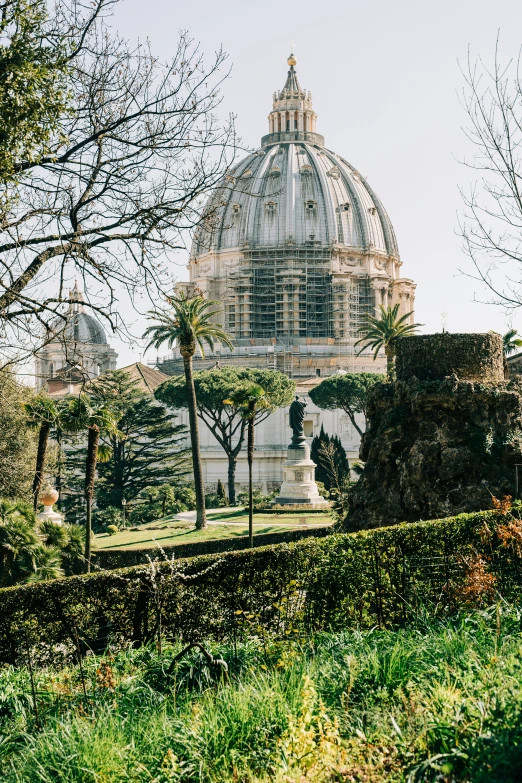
(123, 558)
(377, 577)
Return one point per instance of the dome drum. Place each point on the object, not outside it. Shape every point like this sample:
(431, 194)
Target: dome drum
(288, 136)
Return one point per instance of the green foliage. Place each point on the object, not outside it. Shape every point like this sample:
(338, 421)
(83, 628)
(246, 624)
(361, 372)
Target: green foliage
(379, 577)
(104, 517)
(437, 701)
(34, 91)
(112, 530)
(384, 332)
(511, 341)
(221, 492)
(226, 420)
(41, 409)
(347, 392)
(218, 384)
(156, 502)
(18, 443)
(34, 552)
(189, 324)
(213, 500)
(146, 448)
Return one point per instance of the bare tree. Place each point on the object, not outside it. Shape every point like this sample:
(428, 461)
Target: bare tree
(131, 165)
(492, 224)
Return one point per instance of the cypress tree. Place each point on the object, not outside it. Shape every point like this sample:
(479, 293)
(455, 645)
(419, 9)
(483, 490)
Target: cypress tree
(323, 472)
(221, 491)
(315, 454)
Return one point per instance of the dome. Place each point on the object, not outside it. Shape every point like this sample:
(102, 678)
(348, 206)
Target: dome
(84, 328)
(296, 191)
(80, 327)
(295, 243)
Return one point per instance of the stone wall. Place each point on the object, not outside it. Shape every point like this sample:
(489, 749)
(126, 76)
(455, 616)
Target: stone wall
(430, 357)
(435, 444)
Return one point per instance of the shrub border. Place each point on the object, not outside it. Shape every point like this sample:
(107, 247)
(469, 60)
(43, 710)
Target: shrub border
(369, 578)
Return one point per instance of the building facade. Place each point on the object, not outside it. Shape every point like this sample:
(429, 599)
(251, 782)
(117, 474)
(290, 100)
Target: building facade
(298, 248)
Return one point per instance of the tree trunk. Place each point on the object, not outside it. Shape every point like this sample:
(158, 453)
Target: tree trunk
(201, 517)
(90, 472)
(232, 461)
(43, 440)
(390, 361)
(250, 457)
(58, 486)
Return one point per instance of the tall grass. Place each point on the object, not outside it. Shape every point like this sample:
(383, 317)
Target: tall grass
(438, 702)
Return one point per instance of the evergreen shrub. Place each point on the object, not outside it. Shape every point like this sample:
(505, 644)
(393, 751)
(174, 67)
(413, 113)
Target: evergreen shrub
(371, 578)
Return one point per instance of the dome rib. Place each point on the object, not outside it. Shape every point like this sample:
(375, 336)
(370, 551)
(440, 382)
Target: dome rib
(331, 183)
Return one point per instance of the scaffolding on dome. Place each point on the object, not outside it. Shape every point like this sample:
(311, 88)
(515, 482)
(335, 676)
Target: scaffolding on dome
(288, 292)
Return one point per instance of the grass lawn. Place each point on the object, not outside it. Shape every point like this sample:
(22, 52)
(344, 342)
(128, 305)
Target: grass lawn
(222, 524)
(438, 702)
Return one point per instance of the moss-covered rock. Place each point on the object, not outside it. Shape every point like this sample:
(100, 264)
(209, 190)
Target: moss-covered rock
(437, 446)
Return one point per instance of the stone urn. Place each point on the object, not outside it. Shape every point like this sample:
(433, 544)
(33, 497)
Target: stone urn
(49, 496)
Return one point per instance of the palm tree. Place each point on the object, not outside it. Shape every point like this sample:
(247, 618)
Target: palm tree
(384, 332)
(190, 325)
(250, 399)
(23, 556)
(510, 342)
(79, 414)
(42, 413)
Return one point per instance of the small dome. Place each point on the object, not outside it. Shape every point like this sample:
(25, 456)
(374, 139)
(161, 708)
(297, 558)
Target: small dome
(84, 328)
(78, 326)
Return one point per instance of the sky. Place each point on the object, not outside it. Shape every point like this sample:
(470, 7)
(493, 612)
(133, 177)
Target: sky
(385, 79)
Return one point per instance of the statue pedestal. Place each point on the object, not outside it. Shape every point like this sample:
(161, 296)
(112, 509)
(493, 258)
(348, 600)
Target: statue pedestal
(299, 487)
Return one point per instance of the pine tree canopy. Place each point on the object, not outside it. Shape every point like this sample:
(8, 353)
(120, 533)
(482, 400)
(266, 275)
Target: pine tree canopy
(226, 421)
(347, 392)
(148, 450)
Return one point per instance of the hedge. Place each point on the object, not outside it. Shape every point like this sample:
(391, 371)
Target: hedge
(123, 558)
(378, 577)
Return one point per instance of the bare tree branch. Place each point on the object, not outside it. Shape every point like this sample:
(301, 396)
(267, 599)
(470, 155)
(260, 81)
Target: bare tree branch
(126, 182)
(491, 227)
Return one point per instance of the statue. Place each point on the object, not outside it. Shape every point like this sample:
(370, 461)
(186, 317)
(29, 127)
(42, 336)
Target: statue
(297, 411)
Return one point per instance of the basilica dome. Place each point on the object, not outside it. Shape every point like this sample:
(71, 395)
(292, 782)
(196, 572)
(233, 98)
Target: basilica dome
(295, 243)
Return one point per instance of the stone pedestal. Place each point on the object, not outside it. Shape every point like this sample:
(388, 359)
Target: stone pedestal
(299, 487)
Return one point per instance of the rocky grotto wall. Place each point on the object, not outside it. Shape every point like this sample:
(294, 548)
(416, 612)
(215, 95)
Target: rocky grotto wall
(444, 437)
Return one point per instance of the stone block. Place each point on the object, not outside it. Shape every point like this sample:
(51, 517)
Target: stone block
(431, 357)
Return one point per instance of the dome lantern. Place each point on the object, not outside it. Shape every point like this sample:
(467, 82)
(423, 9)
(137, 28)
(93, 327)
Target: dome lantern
(292, 117)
